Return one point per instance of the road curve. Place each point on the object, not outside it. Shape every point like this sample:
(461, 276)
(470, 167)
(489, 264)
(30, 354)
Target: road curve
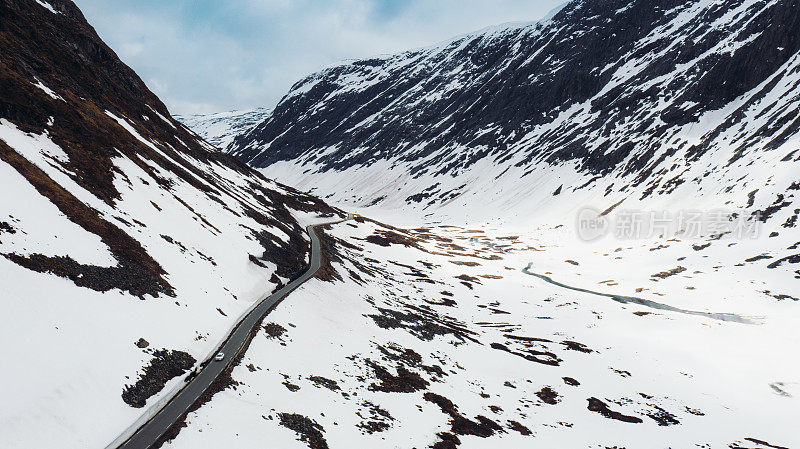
(146, 435)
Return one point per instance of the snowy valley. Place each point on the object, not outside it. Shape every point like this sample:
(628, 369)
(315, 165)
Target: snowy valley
(577, 232)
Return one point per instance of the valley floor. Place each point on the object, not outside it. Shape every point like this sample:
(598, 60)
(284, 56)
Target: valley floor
(437, 337)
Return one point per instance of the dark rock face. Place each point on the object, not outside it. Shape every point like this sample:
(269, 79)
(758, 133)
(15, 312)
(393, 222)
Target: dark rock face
(308, 430)
(606, 84)
(164, 366)
(598, 406)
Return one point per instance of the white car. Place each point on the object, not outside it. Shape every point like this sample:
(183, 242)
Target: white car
(220, 356)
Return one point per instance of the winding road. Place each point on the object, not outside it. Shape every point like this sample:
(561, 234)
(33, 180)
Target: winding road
(148, 433)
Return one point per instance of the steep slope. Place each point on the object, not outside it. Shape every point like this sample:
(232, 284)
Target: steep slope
(128, 246)
(220, 129)
(683, 100)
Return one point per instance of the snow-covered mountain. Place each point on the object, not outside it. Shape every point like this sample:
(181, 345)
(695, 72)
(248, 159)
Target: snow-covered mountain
(220, 129)
(504, 315)
(128, 246)
(680, 100)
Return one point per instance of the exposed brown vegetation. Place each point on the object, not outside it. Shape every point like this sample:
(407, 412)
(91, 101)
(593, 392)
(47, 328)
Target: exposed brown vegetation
(423, 324)
(543, 357)
(481, 426)
(596, 405)
(548, 396)
(274, 330)
(384, 237)
(405, 381)
(309, 431)
(164, 366)
(517, 427)
(135, 272)
(668, 273)
(330, 255)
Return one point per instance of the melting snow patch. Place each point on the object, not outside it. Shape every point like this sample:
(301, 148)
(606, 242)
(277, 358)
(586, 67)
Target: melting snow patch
(48, 6)
(47, 90)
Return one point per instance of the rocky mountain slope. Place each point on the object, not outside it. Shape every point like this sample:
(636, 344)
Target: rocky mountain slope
(128, 246)
(221, 128)
(692, 101)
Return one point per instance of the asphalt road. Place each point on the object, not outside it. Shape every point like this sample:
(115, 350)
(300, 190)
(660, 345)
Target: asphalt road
(153, 429)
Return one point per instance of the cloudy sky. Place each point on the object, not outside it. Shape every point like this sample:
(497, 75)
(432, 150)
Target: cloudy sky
(203, 56)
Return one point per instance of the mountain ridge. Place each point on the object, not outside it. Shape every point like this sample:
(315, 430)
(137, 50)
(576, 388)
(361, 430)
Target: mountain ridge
(219, 129)
(604, 91)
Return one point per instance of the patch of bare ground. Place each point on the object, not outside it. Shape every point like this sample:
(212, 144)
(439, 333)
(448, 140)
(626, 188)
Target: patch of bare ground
(164, 366)
(383, 237)
(421, 323)
(290, 386)
(289, 257)
(410, 358)
(758, 257)
(532, 355)
(378, 419)
(405, 381)
(308, 430)
(548, 395)
(481, 426)
(320, 381)
(793, 259)
(468, 280)
(330, 255)
(757, 442)
(779, 296)
(518, 427)
(465, 263)
(576, 346)
(662, 417)
(274, 330)
(7, 228)
(668, 273)
(598, 406)
(446, 302)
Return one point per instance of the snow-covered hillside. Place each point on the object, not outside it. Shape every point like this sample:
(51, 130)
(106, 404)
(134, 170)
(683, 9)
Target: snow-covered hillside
(440, 337)
(684, 100)
(127, 247)
(220, 129)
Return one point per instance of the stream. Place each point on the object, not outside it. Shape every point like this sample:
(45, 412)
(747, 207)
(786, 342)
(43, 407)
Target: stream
(644, 302)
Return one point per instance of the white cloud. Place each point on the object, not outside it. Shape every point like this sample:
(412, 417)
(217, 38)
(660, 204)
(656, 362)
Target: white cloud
(130, 50)
(210, 55)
